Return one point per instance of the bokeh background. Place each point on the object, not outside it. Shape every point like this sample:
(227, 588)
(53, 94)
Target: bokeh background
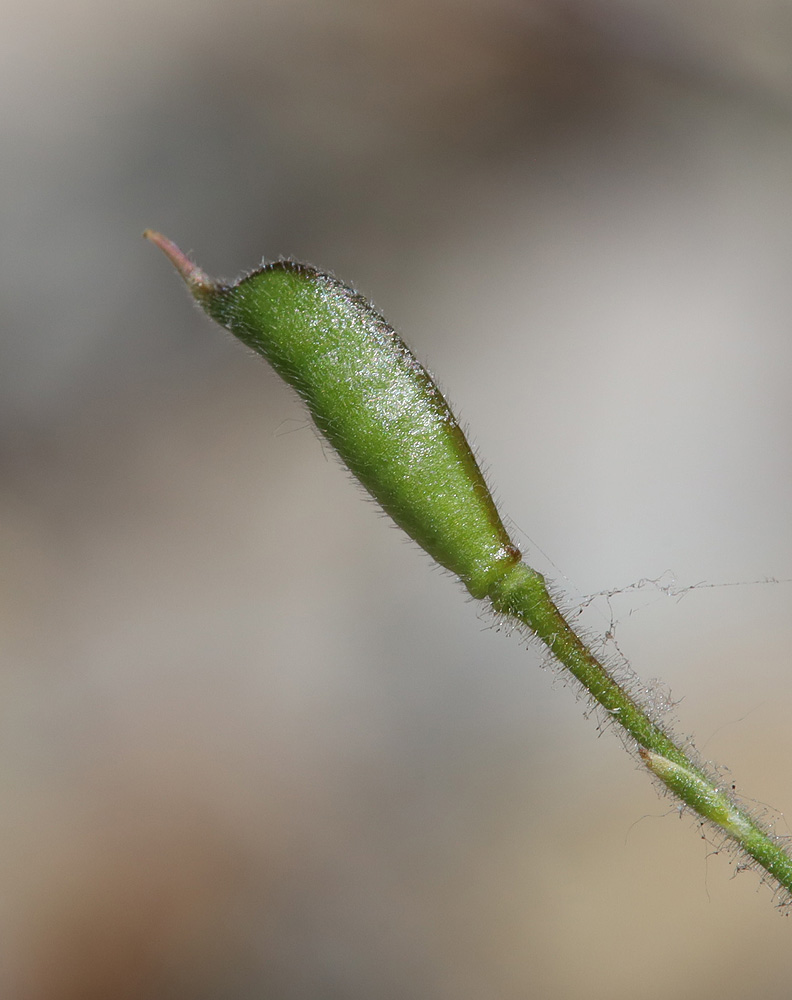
(252, 744)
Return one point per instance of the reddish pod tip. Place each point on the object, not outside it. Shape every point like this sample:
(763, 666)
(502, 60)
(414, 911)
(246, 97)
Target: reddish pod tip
(197, 280)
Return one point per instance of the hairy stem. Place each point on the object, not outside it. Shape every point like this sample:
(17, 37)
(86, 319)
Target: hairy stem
(522, 594)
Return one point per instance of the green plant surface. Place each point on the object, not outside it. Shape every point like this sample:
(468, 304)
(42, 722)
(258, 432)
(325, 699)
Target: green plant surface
(388, 421)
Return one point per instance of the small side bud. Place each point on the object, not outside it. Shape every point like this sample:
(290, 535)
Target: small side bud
(697, 792)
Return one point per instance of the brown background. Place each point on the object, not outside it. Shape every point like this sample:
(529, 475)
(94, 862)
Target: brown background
(251, 743)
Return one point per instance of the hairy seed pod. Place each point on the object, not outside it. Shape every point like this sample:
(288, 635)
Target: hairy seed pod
(372, 400)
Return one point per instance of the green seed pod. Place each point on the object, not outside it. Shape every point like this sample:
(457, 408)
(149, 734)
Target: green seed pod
(372, 400)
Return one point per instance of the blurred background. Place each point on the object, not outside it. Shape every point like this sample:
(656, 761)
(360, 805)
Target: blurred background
(252, 744)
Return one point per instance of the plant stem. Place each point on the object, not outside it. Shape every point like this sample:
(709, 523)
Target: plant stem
(522, 594)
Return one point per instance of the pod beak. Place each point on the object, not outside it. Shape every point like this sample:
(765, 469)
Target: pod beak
(197, 280)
